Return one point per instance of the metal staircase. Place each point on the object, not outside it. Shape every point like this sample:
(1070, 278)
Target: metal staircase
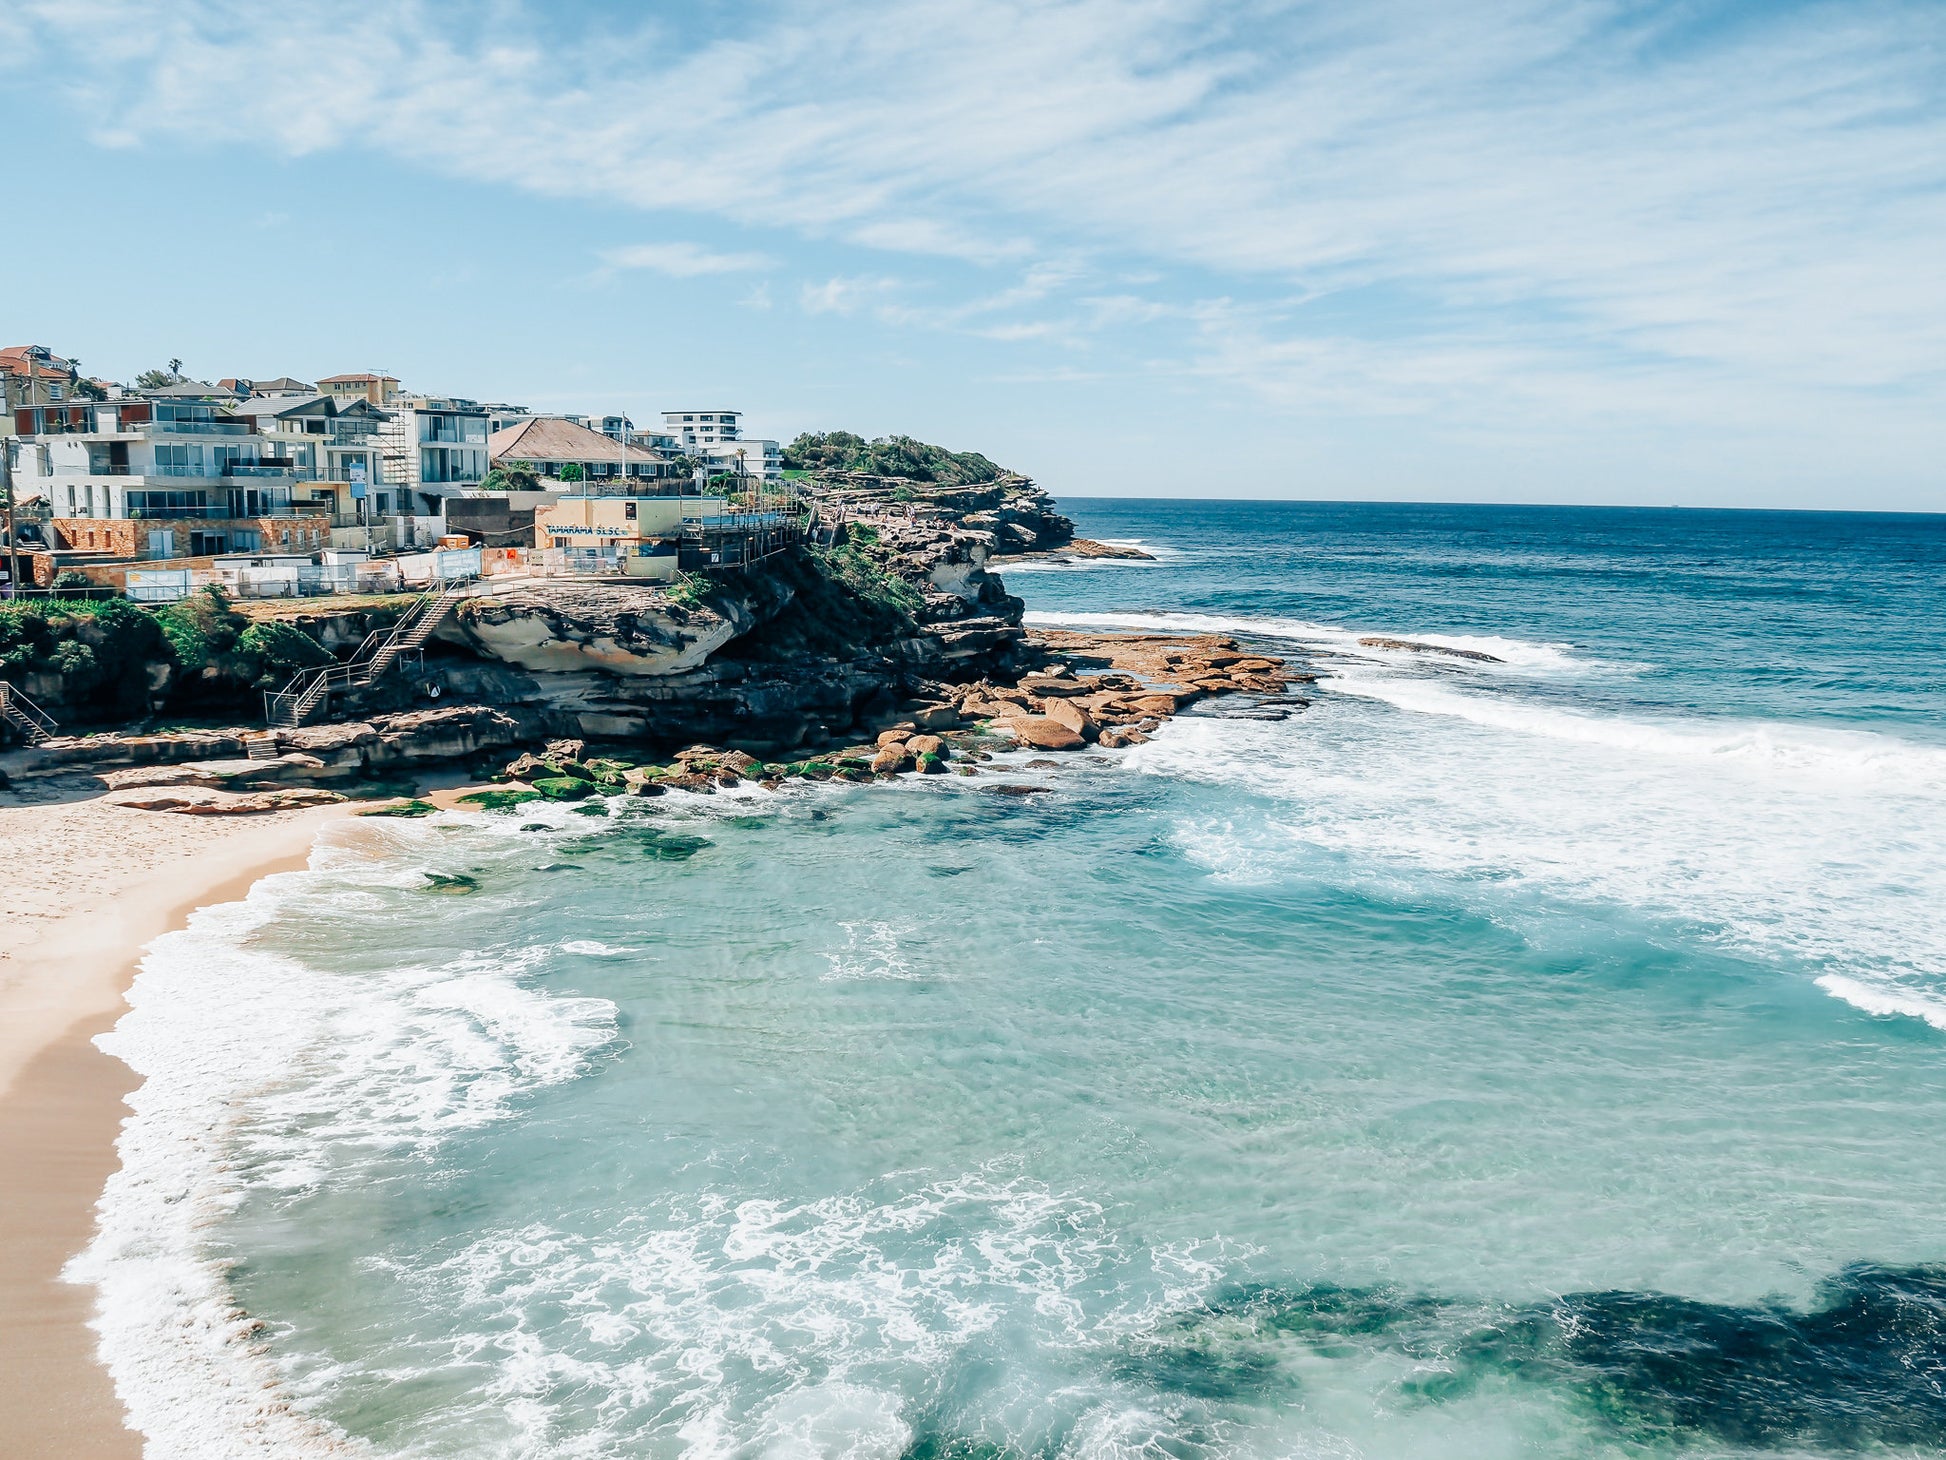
(382, 648)
(33, 723)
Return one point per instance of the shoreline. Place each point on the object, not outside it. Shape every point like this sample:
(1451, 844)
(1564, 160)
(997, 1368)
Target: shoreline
(97, 882)
(69, 961)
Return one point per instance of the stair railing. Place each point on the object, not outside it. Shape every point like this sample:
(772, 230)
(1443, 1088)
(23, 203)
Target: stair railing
(375, 654)
(34, 724)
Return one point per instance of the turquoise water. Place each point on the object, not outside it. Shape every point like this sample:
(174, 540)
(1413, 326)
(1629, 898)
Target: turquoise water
(1541, 1057)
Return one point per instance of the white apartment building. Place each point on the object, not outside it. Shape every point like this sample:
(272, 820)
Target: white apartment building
(332, 441)
(160, 456)
(696, 430)
(433, 446)
(746, 456)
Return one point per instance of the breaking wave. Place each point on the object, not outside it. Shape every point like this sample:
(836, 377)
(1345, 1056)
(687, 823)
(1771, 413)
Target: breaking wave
(262, 1071)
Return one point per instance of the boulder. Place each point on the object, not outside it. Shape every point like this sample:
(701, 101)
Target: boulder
(890, 758)
(1042, 733)
(237, 805)
(1056, 685)
(1413, 646)
(1070, 714)
(525, 766)
(921, 745)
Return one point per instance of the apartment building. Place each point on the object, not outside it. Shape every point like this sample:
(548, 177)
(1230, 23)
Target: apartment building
(747, 457)
(696, 430)
(332, 443)
(33, 375)
(375, 389)
(154, 475)
(433, 445)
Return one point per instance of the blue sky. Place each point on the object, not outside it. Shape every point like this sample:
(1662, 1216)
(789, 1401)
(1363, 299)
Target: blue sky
(1613, 251)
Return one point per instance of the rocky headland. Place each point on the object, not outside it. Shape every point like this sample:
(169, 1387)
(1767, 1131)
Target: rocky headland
(888, 646)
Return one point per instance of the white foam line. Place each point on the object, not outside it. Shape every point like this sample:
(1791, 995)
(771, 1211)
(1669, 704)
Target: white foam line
(186, 1361)
(1848, 754)
(1887, 999)
(255, 1069)
(1520, 656)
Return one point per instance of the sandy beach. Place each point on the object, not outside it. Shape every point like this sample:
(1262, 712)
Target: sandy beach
(89, 884)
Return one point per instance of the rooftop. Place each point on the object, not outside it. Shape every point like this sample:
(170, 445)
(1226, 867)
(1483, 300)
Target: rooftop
(548, 438)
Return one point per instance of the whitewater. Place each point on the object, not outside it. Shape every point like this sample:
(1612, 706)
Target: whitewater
(1217, 1102)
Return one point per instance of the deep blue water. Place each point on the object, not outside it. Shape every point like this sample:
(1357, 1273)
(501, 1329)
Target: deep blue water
(1808, 616)
(1542, 1055)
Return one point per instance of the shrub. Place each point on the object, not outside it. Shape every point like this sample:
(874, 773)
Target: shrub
(689, 589)
(103, 650)
(872, 583)
(510, 478)
(888, 456)
(571, 472)
(278, 650)
(202, 629)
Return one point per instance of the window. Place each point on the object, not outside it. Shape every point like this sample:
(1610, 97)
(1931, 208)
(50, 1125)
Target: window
(183, 459)
(54, 392)
(166, 504)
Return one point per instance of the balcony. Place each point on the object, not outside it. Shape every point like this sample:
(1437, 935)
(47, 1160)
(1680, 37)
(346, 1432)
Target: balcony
(444, 433)
(260, 471)
(193, 428)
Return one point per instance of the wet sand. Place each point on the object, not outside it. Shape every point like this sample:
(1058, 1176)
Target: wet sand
(88, 884)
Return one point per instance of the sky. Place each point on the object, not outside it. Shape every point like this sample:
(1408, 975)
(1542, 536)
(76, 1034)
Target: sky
(1590, 251)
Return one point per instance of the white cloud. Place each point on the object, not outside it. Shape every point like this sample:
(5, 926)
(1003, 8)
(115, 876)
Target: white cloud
(843, 295)
(683, 260)
(1600, 205)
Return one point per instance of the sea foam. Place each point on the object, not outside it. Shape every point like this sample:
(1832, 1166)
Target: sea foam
(259, 1071)
(1822, 847)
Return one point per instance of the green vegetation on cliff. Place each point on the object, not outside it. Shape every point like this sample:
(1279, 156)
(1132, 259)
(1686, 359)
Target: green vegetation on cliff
(889, 456)
(100, 648)
(110, 657)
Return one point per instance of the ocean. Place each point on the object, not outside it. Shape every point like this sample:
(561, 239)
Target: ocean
(1542, 1055)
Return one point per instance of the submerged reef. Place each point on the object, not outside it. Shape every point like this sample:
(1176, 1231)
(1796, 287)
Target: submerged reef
(1866, 1366)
